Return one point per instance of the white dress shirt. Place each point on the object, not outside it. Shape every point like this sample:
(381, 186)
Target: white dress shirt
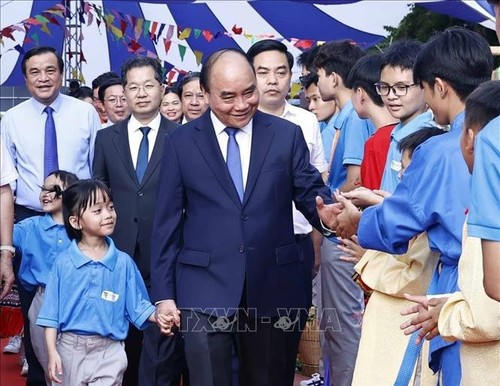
(243, 137)
(8, 172)
(135, 135)
(312, 134)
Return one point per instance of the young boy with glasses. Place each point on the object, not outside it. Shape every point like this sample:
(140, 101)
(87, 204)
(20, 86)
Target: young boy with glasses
(405, 101)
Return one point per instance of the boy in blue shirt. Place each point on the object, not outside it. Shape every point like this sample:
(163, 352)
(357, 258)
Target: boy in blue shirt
(434, 193)
(404, 99)
(93, 292)
(342, 299)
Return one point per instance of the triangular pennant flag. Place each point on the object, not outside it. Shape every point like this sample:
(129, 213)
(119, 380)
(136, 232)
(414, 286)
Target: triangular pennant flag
(138, 28)
(123, 26)
(167, 44)
(81, 78)
(185, 34)
(7, 32)
(90, 18)
(81, 17)
(197, 33)
(74, 74)
(304, 44)
(36, 38)
(199, 56)
(134, 46)
(145, 27)
(153, 28)
(151, 54)
(295, 89)
(45, 28)
(237, 30)
(248, 36)
(82, 57)
(41, 19)
(160, 31)
(170, 76)
(116, 31)
(19, 49)
(170, 32)
(182, 52)
(208, 35)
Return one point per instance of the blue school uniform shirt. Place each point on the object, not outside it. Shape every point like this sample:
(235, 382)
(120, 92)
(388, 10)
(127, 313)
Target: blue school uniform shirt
(432, 197)
(390, 178)
(327, 130)
(483, 220)
(39, 240)
(354, 132)
(88, 297)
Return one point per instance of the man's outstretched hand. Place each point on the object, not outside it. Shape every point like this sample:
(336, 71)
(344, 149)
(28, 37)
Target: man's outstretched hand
(328, 213)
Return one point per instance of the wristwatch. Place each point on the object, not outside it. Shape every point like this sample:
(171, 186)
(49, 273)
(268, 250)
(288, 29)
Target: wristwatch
(9, 248)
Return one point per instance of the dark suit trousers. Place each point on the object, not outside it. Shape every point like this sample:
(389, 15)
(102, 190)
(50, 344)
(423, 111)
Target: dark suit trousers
(154, 359)
(36, 375)
(266, 348)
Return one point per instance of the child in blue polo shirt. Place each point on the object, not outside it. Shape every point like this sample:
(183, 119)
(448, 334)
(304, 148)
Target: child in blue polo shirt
(95, 290)
(39, 240)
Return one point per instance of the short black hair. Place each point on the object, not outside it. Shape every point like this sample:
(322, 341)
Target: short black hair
(206, 69)
(77, 198)
(401, 54)
(67, 179)
(308, 80)
(40, 50)
(364, 74)
(84, 92)
(108, 83)
(104, 77)
(172, 90)
(270, 45)
(306, 58)
(483, 105)
(142, 61)
(459, 56)
(412, 141)
(339, 57)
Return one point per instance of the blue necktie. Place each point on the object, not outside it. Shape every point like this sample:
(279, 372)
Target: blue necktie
(409, 361)
(50, 162)
(142, 156)
(233, 161)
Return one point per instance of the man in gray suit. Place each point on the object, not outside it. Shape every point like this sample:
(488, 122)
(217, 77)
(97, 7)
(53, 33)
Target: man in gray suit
(127, 158)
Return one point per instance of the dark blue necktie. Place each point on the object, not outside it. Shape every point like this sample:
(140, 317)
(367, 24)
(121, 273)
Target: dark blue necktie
(233, 161)
(142, 156)
(50, 162)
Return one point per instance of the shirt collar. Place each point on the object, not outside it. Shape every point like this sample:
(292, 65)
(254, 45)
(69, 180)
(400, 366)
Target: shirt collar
(458, 122)
(287, 110)
(40, 107)
(343, 114)
(401, 131)
(219, 127)
(79, 259)
(135, 125)
(48, 222)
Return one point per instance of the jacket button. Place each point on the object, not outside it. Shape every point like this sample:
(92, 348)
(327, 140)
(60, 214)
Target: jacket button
(135, 220)
(140, 194)
(241, 249)
(244, 217)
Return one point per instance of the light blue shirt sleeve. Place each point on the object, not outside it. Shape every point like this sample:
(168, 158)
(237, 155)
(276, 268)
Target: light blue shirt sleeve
(484, 218)
(359, 131)
(138, 307)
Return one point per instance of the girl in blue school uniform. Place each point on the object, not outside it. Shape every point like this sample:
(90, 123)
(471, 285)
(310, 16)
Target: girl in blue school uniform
(95, 290)
(39, 240)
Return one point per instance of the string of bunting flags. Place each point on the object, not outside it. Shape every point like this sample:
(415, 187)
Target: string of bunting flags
(131, 31)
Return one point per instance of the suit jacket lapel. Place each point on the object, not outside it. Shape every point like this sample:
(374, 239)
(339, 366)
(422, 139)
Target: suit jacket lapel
(208, 146)
(262, 137)
(122, 146)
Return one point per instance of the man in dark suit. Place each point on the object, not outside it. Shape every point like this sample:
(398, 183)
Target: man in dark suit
(127, 158)
(223, 248)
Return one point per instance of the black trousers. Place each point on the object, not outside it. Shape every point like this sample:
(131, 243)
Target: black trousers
(35, 372)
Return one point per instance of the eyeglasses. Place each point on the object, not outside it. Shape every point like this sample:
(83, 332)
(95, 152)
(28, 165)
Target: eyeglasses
(399, 89)
(112, 100)
(148, 87)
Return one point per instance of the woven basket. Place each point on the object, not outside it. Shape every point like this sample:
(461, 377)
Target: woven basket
(309, 346)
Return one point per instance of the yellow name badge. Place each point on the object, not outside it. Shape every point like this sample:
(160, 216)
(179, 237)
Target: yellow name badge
(396, 166)
(109, 296)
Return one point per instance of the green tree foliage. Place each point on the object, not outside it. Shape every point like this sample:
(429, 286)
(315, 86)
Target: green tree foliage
(420, 24)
